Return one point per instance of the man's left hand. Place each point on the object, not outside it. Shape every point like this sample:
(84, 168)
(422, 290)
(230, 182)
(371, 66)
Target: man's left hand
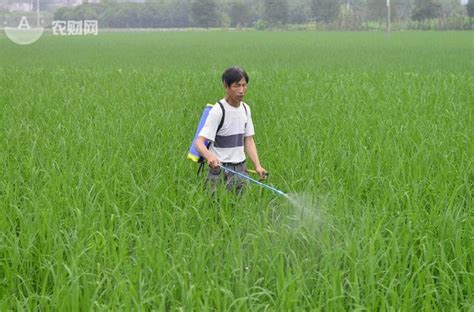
(262, 173)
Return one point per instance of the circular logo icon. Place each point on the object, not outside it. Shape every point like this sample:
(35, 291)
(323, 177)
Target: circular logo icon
(22, 23)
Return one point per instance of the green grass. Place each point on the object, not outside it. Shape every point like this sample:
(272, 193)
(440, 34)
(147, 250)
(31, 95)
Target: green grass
(100, 209)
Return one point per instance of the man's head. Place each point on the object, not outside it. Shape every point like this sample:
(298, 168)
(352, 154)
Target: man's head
(235, 81)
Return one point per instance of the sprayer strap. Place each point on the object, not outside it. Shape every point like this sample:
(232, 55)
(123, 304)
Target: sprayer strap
(223, 116)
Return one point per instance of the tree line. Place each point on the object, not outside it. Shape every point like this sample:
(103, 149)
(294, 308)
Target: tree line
(261, 14)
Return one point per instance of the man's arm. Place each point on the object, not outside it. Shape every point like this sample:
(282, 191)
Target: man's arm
(251, 150)
(212, 160)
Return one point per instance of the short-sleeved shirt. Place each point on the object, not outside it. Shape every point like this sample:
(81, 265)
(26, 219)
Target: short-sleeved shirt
(228, 144)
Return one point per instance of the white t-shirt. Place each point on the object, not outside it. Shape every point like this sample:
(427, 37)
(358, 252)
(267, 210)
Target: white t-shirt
(228, 144)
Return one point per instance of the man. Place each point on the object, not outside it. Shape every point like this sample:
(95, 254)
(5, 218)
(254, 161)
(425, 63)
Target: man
(234, 138)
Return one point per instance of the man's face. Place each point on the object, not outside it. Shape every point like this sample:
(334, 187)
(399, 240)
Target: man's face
(237, 90)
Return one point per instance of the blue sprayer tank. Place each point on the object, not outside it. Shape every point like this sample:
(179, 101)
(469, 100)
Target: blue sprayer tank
(193, 154)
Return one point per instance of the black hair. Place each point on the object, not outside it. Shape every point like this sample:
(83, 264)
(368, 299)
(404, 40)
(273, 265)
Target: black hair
(234, 74)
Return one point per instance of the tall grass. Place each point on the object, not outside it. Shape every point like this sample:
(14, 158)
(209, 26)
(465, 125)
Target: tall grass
(100, 209)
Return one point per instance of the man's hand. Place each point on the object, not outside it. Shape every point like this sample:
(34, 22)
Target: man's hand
(213, 162)
(261, 172)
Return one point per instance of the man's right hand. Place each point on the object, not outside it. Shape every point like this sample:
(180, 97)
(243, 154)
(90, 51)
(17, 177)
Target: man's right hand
(213, 162)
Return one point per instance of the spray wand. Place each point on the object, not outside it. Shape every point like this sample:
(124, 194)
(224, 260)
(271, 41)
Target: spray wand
(255, 181)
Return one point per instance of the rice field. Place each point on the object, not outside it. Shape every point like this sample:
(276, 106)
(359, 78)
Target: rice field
(372, 135)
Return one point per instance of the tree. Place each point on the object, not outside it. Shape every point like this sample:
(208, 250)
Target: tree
(177, 12)
(402, 9)
(377, 10)
(87, 11)
(325, 10)
(298, 11)
(64, 14)
(451, 7)
(352, 13)
(470, 8)
(204, 13)
(240, 14)
(426, 9)
(276, 11)
(470, 11)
